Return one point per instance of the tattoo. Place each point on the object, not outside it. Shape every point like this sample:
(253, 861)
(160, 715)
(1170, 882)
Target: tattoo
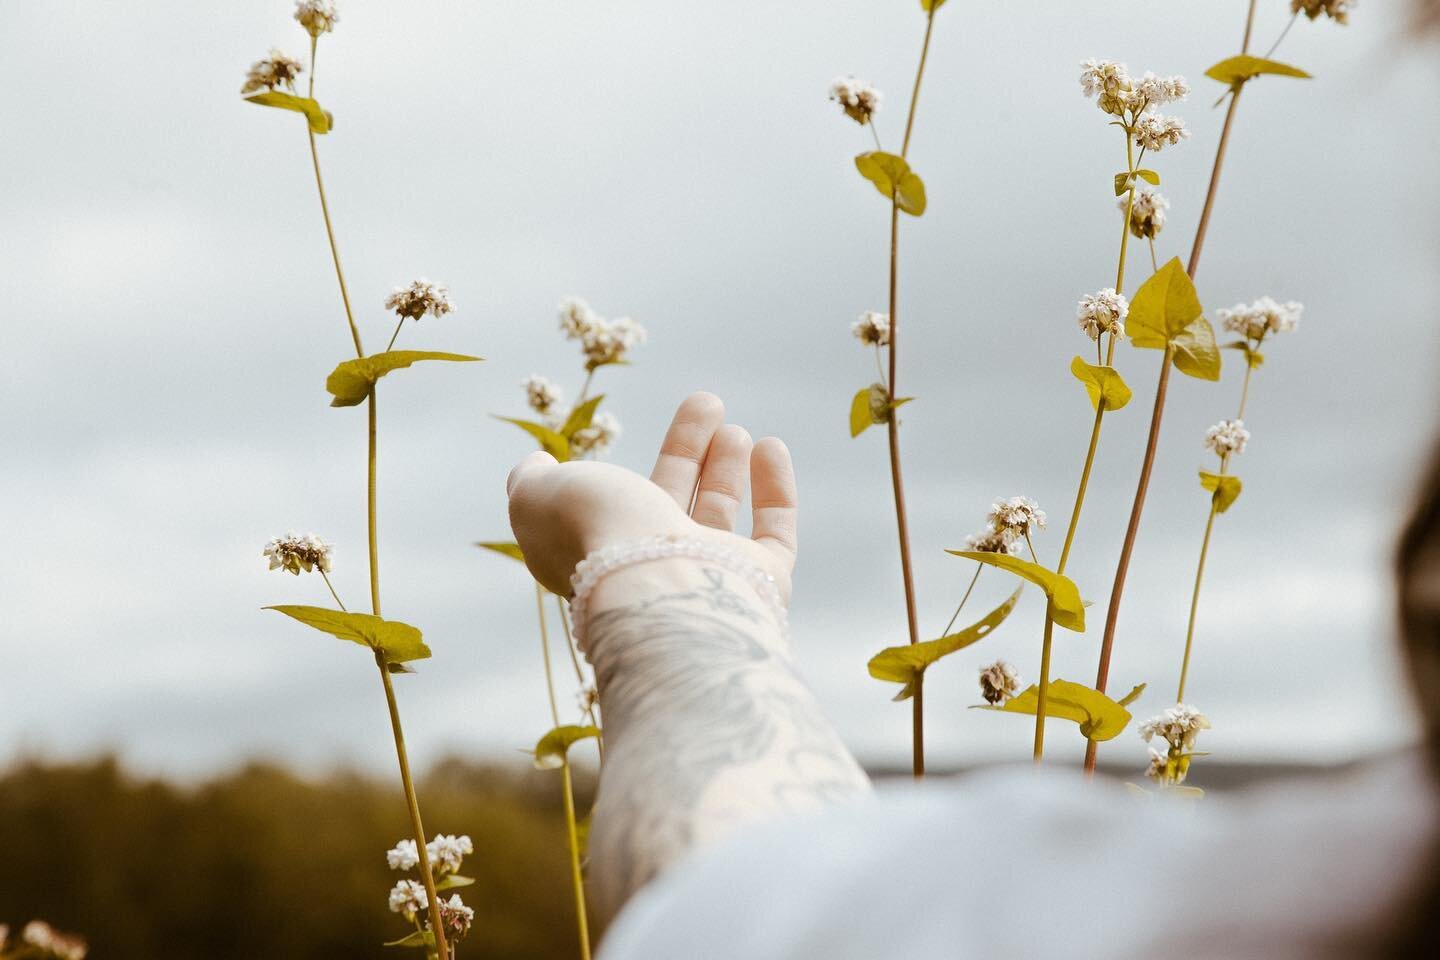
(707, 726)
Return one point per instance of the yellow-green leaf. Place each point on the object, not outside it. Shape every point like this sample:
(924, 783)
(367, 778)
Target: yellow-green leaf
(930, 6)
(1253, 357)
(553, 748)
(1099, 717)
(511, 550)
(1066, 607)
(399, 642)
(350, 382)
(1238, 69)
(319, 119)
(1101, 382)
(901, 664)
(1195, 353)
(1133, 695)
(1226, 489)
(1163, 307)
(871, 405)
(1124, 180)
(452, 881)
(418, 938)
(580, 417)
(893, 177)
(550, 441)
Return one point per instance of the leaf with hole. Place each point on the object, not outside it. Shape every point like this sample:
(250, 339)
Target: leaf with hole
(1224, 487)
(907, 662)
(552, 749)
(1066, 607)
(319, 119)
(1099, 717)
(893, 177)
(350, 382)
(398, 642)
(1101, 382)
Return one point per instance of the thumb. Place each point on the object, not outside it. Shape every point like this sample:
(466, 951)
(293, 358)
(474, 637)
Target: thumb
(535, 463)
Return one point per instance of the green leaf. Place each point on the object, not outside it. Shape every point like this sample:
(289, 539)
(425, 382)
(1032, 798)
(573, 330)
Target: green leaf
(1101, 382)
(419, 938)
(1163, 307)
(511, 550)
(1195, 352)
(1099, 717)
(350, 382)
(452, 881)
(893, 177)
(1253, 357)
(398, 641)
(1133, 695)
(1124, 180)
(550, 441)
(319, 119)
(1238, 69)
(871, 405)
(1226, 489)
(551, 750)
(1149, 176)
(580, 417)
(1067, 609)
(902, 664)
(930, 6)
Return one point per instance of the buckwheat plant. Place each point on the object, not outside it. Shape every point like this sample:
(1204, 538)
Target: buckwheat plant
(902, 187)
(1177, 727)
(411, 900)
(1165, 313)
(40, 941)
(354, 382)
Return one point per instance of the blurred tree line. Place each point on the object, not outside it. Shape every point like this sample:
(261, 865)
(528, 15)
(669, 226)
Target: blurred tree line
(265, 864)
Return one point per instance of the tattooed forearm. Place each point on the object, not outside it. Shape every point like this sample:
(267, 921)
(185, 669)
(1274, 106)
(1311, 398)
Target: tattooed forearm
(707, 724)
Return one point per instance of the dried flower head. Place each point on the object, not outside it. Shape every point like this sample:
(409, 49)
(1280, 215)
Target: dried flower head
(1154, 131)
(1019, 516)
(408, 898)
(447, 851)
(403, 856)
(608, 341)
(542, 394)
(1263, 317)
(456, 917)
(1227, 437)
(294, 552)
(587, 697)
(1102, 312)
(858, 99)
(276, 70)
(316, 16)
(596, 439)
(1178, 726)
(62, 946)
(576, 318)
(872, 329)
(1158, 91)
(420, 298)
(1147, 212)
(999, 682)
(1337, 10)
(993, 541)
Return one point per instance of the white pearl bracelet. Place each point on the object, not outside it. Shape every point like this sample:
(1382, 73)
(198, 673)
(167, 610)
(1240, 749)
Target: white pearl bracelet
(600, 563)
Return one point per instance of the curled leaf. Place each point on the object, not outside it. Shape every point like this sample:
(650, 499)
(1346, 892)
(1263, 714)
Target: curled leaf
(551, 442)
(1099, 717)
(1233, 70)
(1226, 489)
(350, 382)
(893, 177)
(319, 119)
(1101, 383)
(902, 664)
(1066, 607)
(399, 642)
(553, 749)
(511, 550)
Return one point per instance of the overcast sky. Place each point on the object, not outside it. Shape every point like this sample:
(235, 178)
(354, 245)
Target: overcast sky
(172, 314)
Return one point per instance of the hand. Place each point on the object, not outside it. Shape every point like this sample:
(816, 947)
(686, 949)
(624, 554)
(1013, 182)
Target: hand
(562, 511)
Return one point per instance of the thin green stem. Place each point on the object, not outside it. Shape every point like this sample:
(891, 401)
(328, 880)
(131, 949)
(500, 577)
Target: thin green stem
(371, 524)
(572, 834)
(956, 615)
(1154, 263)
(1195, 603)
(395, 334)
(326, 577)
(1283, 33)
(915, 93)
(1042, 694)
(1245, 388)
(880, 365)
(1129, 207)
(585, 387)
(579, 674)
(876, 134)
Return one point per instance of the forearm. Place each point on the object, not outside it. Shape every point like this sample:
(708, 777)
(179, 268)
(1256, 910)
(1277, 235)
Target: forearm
(707, 723)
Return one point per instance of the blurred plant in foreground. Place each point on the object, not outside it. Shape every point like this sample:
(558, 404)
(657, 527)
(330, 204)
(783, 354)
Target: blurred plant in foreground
(40, 941)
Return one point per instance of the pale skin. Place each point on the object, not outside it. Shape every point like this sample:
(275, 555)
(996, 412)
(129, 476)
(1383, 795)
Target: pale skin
(708, 725)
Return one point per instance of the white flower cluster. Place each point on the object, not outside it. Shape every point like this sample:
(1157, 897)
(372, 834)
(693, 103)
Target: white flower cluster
(456, 917)
(872, 329)
(1154, 131)
(316, 16)
(992, 541)
(1256, 320)
(1118, 94)
(858, 99)
(542, 394)
(1337, 10)
(276, 70)
(420, 298)
(1018, 516)
(603, 341)
(42, 936)
(1102, 312)
(596, 439)
(446, 852)
(295, 552)
(1178, 726)
(408, 898)
(1147, 212)
(1227, 437)
(999, 682)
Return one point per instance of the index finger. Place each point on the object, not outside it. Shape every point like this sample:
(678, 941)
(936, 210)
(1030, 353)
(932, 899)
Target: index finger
(774, 499)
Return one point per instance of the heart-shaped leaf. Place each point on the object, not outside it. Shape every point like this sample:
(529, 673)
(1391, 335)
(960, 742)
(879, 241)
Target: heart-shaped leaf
(550, 441)
(1101, 383)
(319, 119)
(1240, 68)
(552, 749)
(1066, 607)
(893, 177)
(871, 405)
(399, 642)
(1163, 307)
(1226, 489)
(903, 663)
(1099, 717)
(1195, 353)
(350, 382)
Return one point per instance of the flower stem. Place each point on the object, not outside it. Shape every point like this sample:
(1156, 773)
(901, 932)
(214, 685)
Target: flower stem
(395, 334)
(326, 577)
(579, 674)
(956, 615)
(1129, 207)
(572, 834)
(1245, 388)
(371, 525)
(1283, 34)
(1195, 604)
(1107, 641)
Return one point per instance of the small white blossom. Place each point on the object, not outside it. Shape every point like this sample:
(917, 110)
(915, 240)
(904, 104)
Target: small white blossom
(420, 298)
(1158, 91)
(408, 898)
(1337, 10)
(1158, 762)
(1227, 437)
(294, 552)
(1099, 77)
(858, 99)
(1263, 317)
(403, 856)
(608, 341)
(596, 439)
(872, 329)
(1154, 131)
(42, 936)
(993, 541)
(576, 318)
(1020, 516)
(1178, 726)
(447, 851)
(456, 917)
(999, 682)
(542, 394)
(316, 16)
(1147, 213)
(276, 70)
(1102, 312)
